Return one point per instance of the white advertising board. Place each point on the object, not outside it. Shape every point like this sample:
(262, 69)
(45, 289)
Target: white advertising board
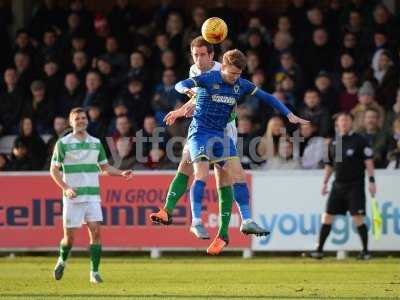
(290, 204)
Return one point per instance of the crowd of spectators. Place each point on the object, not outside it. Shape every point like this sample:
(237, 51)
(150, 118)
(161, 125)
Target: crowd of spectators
(122, 67)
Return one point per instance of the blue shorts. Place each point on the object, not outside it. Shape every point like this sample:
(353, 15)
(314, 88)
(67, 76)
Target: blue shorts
(211, 146)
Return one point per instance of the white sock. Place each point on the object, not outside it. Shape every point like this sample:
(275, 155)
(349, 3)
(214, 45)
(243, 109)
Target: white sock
(196, 221)
(60, 261)
(247, 221)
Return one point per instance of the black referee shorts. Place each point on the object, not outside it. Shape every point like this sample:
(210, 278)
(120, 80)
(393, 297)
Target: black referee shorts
(347, 197)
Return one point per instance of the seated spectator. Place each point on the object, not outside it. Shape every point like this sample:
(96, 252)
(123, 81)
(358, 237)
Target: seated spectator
(284, 159)
(318, 55)
(261, 38)
(346, 62)
(255, 44)
(350, 45)
(124, 129)
(53, 79)
(21, 158)
(348, 97)
(168, 62)
(144, 136)
(71, 95)
(123, 156)
(385, 77)
(79, 43)
(199, 15)
(312, 147)
(23, 44)
(156, 160)
(377, 139)
(136, 100)
(40, 108)
(166, 97)
(316, 113)
(269, 143)
(80, 65)
(12, 101)
(393, 113)
(97, 124)
(119, 109)
(36, 147)
(113, 55)
(393, 155)
(60, 126)
(253, 64)
(49, 47)
(245, 136)
(328, 95)
(384, 21)
(258, 108)
(95, 92)
(282, 42)
(26, 74)
(284, 25)
(4, 162)
(288, 66)
(366, 99)
(287, 86)
(138, 68)
(111, 78)
(174, 29)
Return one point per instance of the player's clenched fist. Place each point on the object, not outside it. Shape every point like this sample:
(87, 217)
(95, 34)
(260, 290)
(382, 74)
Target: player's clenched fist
(70, 193)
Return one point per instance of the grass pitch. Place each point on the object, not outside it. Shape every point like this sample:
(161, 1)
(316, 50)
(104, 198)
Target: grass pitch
(202, 278)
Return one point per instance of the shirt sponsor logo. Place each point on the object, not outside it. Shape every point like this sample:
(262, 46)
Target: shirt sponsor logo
(350, 152)
(223, 99)
(368, 151)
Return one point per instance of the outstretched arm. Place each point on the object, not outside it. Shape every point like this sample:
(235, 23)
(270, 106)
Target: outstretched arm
(184, 111)
(275, 103)
(184, 86)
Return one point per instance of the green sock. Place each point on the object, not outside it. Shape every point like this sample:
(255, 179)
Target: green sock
(95, 253)
(225, 196)
(64, 251)
(176, 189)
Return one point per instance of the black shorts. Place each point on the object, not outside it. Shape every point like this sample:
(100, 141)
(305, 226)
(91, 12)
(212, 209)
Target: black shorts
(347, 197)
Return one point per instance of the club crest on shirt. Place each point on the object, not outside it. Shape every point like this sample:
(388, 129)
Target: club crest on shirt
(349, 152)
(236, 89)
(215, 86)
(368, 151)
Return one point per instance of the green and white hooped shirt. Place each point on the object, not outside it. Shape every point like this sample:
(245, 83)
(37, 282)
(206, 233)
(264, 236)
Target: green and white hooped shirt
(80, 162)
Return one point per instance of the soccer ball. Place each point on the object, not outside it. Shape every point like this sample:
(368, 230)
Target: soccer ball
(214, 30)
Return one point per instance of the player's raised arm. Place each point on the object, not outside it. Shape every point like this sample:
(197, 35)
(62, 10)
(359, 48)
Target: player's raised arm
(184, 86)
(275, 103)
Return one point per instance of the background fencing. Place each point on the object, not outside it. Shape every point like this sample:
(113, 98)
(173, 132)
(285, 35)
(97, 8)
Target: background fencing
(287, 203)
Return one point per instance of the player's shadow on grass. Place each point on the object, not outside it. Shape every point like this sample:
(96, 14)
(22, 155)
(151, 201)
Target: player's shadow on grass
(163, 296)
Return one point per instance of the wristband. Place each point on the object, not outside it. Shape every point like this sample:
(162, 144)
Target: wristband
(371, 179)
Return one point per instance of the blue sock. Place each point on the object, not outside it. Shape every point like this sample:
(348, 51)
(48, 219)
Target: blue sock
(241, 194)
(196, 199)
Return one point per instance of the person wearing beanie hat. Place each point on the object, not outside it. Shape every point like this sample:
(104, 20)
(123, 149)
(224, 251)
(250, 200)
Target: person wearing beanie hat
(366, 100)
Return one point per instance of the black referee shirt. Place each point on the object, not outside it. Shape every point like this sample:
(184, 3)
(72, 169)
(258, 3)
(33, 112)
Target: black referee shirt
(347, 155)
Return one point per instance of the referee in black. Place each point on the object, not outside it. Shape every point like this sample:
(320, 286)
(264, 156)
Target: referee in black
(348, 189)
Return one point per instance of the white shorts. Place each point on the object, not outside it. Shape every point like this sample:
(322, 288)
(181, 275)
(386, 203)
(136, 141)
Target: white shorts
(231, 131)
(76, 214)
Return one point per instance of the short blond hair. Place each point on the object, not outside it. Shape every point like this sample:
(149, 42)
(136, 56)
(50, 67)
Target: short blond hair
(75, 111)
(235, 58)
